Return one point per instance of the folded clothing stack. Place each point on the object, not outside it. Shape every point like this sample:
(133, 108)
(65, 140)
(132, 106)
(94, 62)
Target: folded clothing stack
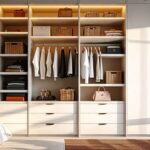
(113, 32)
(15, 97)
(14, 68)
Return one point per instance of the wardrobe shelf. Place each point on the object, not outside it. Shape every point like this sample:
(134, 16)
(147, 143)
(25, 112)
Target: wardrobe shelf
(68, 39)
(54, 20)
(92, 101)
(101, 20)
(101, 39)
(13, 91)
(113, 55)
(13, 34)
(13, 102)
(103, 85)
(50, 101)
(13, 73)
(14, 20)
(13, 55)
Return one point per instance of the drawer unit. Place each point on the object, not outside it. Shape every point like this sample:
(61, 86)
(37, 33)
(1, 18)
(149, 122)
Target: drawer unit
(52, 107)
(53, 129)
(102, 107)
(13, 118)
(102, 118)
(13, 108)
(101, 129)
(53, 118)
(17, 129)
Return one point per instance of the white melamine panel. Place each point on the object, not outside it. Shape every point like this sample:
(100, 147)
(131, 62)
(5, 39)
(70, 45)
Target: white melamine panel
(53, 107)
(107, 129)
(137, 1)
(13, 108)
(52, 118)
(138, 68)
(103, 1)
(105, 107)
(13, 118)
(17, 129)
(102, 118)
(56, 129)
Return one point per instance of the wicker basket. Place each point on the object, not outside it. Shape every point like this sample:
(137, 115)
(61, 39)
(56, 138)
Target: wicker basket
(62, 31)
(14, 48)
(92, 14)
(41, 30)
(67, 94)
(65, 12)
(92, 31)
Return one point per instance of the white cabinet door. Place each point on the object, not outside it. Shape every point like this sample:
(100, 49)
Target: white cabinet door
(138, 1)
(138, 68)
(102, 1)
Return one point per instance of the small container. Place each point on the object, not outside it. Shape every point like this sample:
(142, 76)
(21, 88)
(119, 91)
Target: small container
(41, 30)
(67, 94)
(19, 13)
(65, 12)
(92, 31)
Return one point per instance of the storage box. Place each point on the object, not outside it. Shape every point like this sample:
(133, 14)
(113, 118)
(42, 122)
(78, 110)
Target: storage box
(65, 12)
(14, 48)
(113, 77)
(113, 49)
(67, 94)
(41, 30)
(75, 30)
(62, 31)
(15, 98)
(19, 13)
(92, 31)
(92, 14)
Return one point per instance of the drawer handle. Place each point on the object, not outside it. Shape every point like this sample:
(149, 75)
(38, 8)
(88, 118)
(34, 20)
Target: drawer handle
(49, 113)
(50, 124)
(102, 104)
(102, 113)
(102, 124)
(49, 103)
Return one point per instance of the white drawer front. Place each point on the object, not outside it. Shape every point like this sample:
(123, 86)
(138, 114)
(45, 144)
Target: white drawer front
(17, 129)
(102, 118)
(53, 108)
(56, 129)
(52, 118)
(13, 118)
(108, 129)
(102, 108)
(13, 108)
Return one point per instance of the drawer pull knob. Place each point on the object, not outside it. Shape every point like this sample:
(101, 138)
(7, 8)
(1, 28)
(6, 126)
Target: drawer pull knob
(102, 113)
(49, 113)
(102, 124)
(49, 103)
(49, 124)
(102, 104)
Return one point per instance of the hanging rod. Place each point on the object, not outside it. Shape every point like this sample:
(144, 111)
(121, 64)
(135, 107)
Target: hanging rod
(98, 44)
(55, 44)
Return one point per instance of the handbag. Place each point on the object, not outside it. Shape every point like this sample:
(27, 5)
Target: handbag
(101, 95)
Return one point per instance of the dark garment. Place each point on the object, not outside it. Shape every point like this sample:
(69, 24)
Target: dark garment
(76, 63)
(62, 67)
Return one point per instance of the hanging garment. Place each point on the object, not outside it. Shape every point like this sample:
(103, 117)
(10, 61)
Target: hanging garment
(36, 61)
(62, 67)
(76, 63)
(49, 64)
(42, 64)
(55, 64)
(70, 65)
(99, 66)
(86, 66)
(82, 64)
(91, 65)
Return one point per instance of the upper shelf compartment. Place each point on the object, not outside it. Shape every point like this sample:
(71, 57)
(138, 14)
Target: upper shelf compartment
(52, 10)
(19, 11)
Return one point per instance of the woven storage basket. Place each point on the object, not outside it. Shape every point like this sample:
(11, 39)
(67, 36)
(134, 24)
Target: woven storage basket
(41, 30)
(67, 94)
(92, 31)
(65, 12)
(14, 48)
(92, 14)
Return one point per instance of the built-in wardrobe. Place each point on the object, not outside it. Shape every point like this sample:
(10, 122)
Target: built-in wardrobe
(128, 110)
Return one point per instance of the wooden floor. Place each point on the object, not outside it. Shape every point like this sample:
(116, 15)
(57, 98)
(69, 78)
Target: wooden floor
(107, 144)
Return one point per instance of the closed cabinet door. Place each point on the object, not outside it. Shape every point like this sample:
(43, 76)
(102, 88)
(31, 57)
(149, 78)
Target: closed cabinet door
(138, 69)
(102, 1)
(138, 1)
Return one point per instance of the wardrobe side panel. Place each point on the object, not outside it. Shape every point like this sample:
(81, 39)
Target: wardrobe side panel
(138, 69)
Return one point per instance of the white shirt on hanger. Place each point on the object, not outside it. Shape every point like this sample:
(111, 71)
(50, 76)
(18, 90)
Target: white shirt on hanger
(55, 64)
(82, 65)
(101, 65)
(42, 64)
(49, 63)
(70, 67)
(36, 61)
(91, 64)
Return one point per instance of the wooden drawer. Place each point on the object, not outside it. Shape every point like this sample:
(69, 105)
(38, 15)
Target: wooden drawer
(53, 129)
(17, 129)
(102, 118)
(102, 107)
(107, 129)
(11, 108)
(53, 118)
(13, 118)
(53, 107)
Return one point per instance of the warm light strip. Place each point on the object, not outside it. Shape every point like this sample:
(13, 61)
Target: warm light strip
(53, 6)
(13, 6)
(102, 6)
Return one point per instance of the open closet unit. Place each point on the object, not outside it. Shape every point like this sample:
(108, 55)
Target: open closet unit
(68, 52)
